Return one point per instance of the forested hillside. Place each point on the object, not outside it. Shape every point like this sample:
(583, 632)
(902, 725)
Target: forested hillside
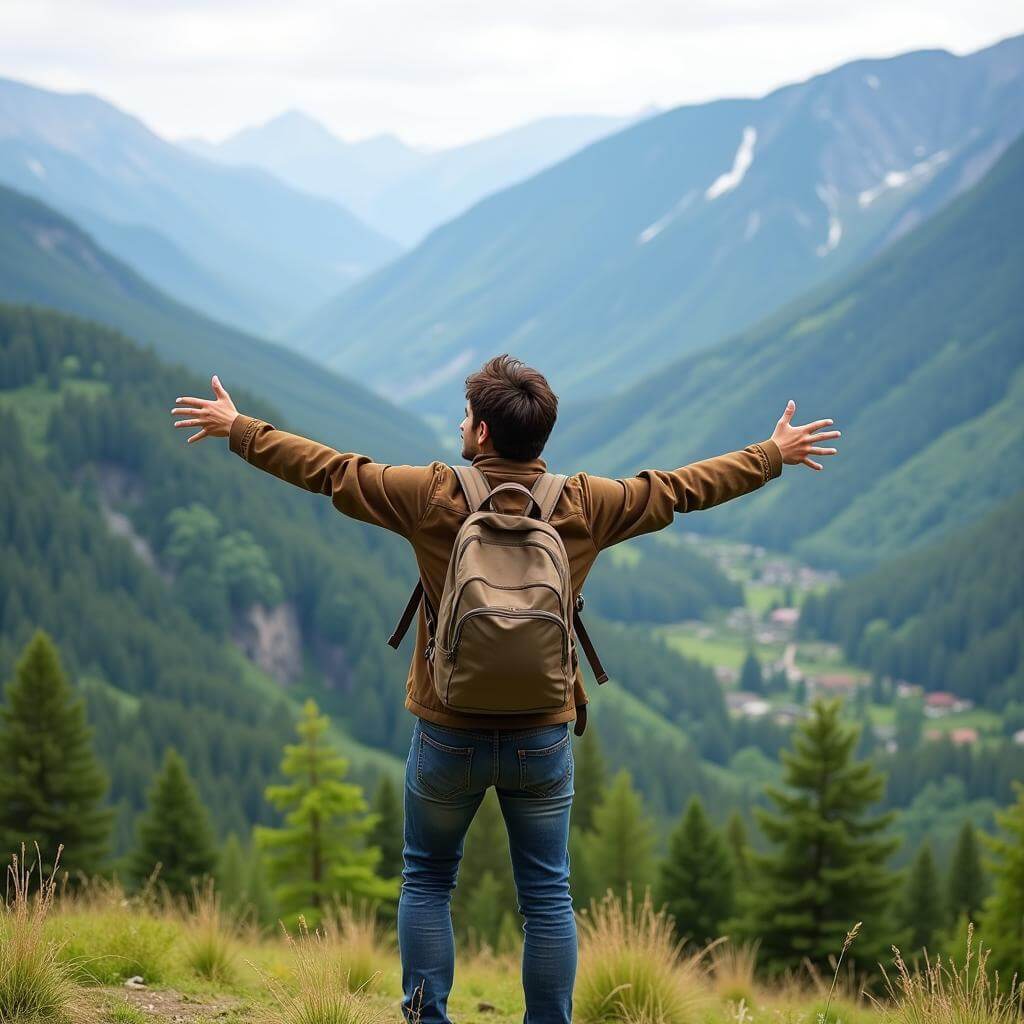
(678, 231)
(950, 615)
(189, 593)
(47, 259)
(918, 358)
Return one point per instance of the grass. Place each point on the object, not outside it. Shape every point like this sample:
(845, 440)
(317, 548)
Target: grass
(36, 983)
(631, 970)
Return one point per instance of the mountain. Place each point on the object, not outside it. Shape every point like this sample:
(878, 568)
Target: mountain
(404, 192)
(951, 614)
(45, 259)
(447, 183)
(678, 231)
(236, 242)
(918, 357)
(302, 152)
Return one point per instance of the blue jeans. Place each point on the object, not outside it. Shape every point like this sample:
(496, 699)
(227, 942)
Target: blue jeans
(447, 773)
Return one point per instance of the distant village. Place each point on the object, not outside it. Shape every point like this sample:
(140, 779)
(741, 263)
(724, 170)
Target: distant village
(778, 628)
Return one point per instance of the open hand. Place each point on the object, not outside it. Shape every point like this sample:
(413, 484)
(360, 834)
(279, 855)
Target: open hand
(214, 417)
(797, 444)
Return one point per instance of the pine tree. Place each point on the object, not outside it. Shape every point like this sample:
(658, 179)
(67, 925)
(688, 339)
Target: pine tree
(387, 833)
(174, 832)
(828, 870)
(1002, 919)
(620, 847)
(697, 879)
(736, 839)
(51, 784)
(965, 888)
(923, 912)
(589, 779)
(321, 851)
(751, 679)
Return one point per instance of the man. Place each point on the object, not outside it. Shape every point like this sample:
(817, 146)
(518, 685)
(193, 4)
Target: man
(455, 757)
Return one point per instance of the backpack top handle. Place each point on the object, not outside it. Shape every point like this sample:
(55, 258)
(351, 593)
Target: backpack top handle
(511, 486)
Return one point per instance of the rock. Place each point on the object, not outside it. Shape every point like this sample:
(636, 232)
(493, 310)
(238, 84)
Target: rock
(135, 982)
(485, 1007)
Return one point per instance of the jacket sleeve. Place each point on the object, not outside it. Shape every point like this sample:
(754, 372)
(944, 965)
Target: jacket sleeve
(394, 497)
(619, 509)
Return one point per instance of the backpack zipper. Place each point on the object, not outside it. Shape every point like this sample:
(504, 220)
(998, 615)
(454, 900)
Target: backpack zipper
(452, 621)
(523, 613)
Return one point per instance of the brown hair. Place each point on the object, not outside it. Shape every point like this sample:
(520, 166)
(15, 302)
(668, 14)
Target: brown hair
(516, 403)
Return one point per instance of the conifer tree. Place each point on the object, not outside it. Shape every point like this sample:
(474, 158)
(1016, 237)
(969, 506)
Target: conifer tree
(736, 839)
(51, 784)
(965, 888)
(386, 834)
(697, 879)
(828, 869)
(321, 851)
(230, 874)
(589, 779)
(751, 679)
(923, 910)
(620, 847)
(174, 832)
(1002, 919)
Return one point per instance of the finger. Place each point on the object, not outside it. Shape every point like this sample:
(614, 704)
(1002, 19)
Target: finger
(787, 413)
(218, 387)
(811, 463)
(822, 451)
(189, 423)
(817, 424)
(193, 401)
(197, 437)
(188, 410)
(826, 435)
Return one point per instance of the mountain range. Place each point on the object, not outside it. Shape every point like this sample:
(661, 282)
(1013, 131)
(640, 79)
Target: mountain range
(678, 231)
(402, 191)
(235, 242)
(918, 358)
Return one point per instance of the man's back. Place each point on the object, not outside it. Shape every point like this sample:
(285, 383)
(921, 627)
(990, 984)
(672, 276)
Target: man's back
(425, 504)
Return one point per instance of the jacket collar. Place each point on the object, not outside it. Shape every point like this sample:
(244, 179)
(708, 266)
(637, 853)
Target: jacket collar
(489, 463)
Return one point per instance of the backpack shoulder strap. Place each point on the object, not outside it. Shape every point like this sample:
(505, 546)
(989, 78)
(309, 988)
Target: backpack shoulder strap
(474, 485)
(546, 491)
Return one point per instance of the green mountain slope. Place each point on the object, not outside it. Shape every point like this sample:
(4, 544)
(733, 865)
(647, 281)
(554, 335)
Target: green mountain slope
(951, 613)
(678, 231)
(48, 260)
(276, 252)
(918, 358)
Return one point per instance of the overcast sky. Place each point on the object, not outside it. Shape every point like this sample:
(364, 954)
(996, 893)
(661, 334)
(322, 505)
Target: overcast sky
(439, 72)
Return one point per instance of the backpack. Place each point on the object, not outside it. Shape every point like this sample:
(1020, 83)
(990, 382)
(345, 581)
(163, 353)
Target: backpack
(501, 642)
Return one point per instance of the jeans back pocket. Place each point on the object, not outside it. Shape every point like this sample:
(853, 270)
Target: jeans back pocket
(546, 771)
(441, 769)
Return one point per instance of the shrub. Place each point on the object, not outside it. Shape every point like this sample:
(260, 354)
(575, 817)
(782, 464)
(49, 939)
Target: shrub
(318, 989)
(942, 993)
(35, 981)
(631, 966)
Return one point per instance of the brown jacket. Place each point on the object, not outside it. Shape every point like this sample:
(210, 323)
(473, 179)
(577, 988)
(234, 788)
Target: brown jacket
(425, 505)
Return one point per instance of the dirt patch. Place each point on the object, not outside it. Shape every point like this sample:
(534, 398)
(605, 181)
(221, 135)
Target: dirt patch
(167, 1006)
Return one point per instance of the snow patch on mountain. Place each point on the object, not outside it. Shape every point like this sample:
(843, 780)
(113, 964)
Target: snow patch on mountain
(740, 165)
(897, 179)
(655, 229)
(829, 195)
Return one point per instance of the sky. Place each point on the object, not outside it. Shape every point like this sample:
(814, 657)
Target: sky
(443, 72)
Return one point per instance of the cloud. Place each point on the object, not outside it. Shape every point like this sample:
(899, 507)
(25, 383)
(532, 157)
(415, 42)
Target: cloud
(452, 70)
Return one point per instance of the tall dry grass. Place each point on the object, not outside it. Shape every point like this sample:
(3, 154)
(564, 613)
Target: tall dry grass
(36, 983)
(632, 968)
(210, 945)
(319, 988)
(943, 993)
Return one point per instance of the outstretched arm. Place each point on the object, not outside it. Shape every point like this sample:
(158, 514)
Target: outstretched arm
(393, 497)
(624, 508)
